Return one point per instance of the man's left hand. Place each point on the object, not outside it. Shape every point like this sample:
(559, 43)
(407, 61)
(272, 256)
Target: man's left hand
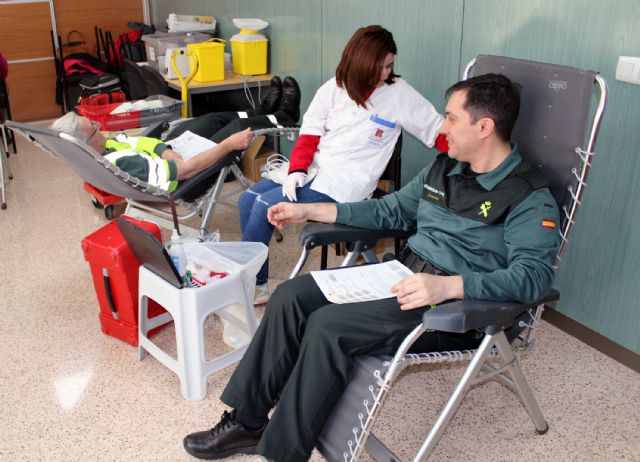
(423, 289)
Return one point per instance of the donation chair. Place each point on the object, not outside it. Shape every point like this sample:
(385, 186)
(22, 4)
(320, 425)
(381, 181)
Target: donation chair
(198, 194)
(556, 132)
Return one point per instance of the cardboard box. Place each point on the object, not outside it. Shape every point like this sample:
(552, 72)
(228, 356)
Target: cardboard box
(254, 158)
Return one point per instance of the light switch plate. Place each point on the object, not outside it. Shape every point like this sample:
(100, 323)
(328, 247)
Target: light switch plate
(628, 69)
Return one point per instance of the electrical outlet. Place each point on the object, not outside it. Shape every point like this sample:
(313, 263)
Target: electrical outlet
(628, 69)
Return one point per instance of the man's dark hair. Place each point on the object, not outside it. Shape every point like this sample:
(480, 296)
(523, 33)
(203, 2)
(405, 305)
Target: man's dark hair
(493, 96)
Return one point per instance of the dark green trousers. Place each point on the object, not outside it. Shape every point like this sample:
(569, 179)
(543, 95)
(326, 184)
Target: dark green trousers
(302, 354)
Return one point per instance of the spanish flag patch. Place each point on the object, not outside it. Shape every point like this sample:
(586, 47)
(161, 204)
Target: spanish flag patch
(548, 223)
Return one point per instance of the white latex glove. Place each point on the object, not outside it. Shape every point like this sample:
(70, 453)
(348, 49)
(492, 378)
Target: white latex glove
(294, 180)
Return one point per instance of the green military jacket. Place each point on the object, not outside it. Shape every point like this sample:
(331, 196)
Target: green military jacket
(498, 230)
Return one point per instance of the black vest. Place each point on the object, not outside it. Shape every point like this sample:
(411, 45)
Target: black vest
(462, 194)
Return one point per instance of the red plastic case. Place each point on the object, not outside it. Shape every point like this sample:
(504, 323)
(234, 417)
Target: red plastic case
(107, 250)
(169, 111)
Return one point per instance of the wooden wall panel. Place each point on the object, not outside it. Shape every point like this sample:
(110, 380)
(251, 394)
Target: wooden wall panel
(84, 15)
(24, 31)
(32, 91)
(24, 34)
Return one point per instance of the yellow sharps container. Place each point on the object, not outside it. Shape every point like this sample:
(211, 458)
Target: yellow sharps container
(210, 56)
(249, 47)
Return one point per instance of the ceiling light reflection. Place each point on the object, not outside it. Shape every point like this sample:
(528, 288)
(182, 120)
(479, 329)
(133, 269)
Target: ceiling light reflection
(69, 389)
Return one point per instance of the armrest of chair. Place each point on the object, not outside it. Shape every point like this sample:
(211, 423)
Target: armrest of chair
(155, 130)
(491, 316)
(316, 234)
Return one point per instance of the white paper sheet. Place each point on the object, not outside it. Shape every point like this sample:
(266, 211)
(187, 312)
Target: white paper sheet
(361, 283)
(189, 144)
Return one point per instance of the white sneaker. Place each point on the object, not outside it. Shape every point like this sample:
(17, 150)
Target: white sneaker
(262, 294)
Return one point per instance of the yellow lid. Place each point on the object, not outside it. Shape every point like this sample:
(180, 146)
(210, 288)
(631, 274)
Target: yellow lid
(216, 42)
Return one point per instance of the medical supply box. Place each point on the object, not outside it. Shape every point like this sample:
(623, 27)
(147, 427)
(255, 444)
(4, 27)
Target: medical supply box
(156, 45)
(210, 55)
(164, 109)
(249, 47)
(114, 269)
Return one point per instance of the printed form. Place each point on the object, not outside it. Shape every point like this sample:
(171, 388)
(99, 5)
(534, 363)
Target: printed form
(189, 144)
(361, 283)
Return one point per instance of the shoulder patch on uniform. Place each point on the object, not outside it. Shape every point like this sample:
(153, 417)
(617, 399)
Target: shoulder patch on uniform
(549, 223)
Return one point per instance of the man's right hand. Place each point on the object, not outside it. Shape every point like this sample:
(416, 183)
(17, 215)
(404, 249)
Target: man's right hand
(284, 213)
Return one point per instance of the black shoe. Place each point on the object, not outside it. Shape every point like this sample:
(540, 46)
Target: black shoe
(227, 438)
(290, 101)
(271, 102)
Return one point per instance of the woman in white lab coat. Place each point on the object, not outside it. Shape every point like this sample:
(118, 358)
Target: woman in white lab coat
(347, 137)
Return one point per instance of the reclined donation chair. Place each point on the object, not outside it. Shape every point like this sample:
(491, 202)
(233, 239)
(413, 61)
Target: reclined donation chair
(198, 194)
(556, 132)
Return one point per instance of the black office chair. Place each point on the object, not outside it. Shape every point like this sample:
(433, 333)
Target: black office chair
(156, 84)
(134, 81)
(556, 132)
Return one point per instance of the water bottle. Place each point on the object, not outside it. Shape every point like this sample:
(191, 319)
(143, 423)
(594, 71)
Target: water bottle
(175, 250)
(232, 334)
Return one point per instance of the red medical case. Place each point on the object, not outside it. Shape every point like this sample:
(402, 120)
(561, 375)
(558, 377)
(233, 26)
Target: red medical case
(115, 277)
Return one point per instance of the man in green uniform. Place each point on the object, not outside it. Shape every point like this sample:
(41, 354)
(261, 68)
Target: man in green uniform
(486, 229)
(149, 159)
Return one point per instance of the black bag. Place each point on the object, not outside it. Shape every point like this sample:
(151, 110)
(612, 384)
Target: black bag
(99, 84)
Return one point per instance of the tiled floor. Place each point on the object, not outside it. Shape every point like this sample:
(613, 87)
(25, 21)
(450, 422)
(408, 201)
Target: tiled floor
(70, 393)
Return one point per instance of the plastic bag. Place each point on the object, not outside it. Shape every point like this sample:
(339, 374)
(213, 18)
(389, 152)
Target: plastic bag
(231, 257)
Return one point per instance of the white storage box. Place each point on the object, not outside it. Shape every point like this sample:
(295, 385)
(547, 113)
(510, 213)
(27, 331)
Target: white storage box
(187, 23)
(156, 45)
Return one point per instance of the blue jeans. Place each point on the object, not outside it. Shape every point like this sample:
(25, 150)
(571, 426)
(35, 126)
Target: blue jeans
(253, 205)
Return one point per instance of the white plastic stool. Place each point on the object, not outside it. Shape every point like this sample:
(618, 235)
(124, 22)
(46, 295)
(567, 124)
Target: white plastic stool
(189, 307)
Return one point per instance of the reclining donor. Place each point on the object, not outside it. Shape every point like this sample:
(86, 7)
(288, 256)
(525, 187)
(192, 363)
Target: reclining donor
(149, 159)
(485, 225)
